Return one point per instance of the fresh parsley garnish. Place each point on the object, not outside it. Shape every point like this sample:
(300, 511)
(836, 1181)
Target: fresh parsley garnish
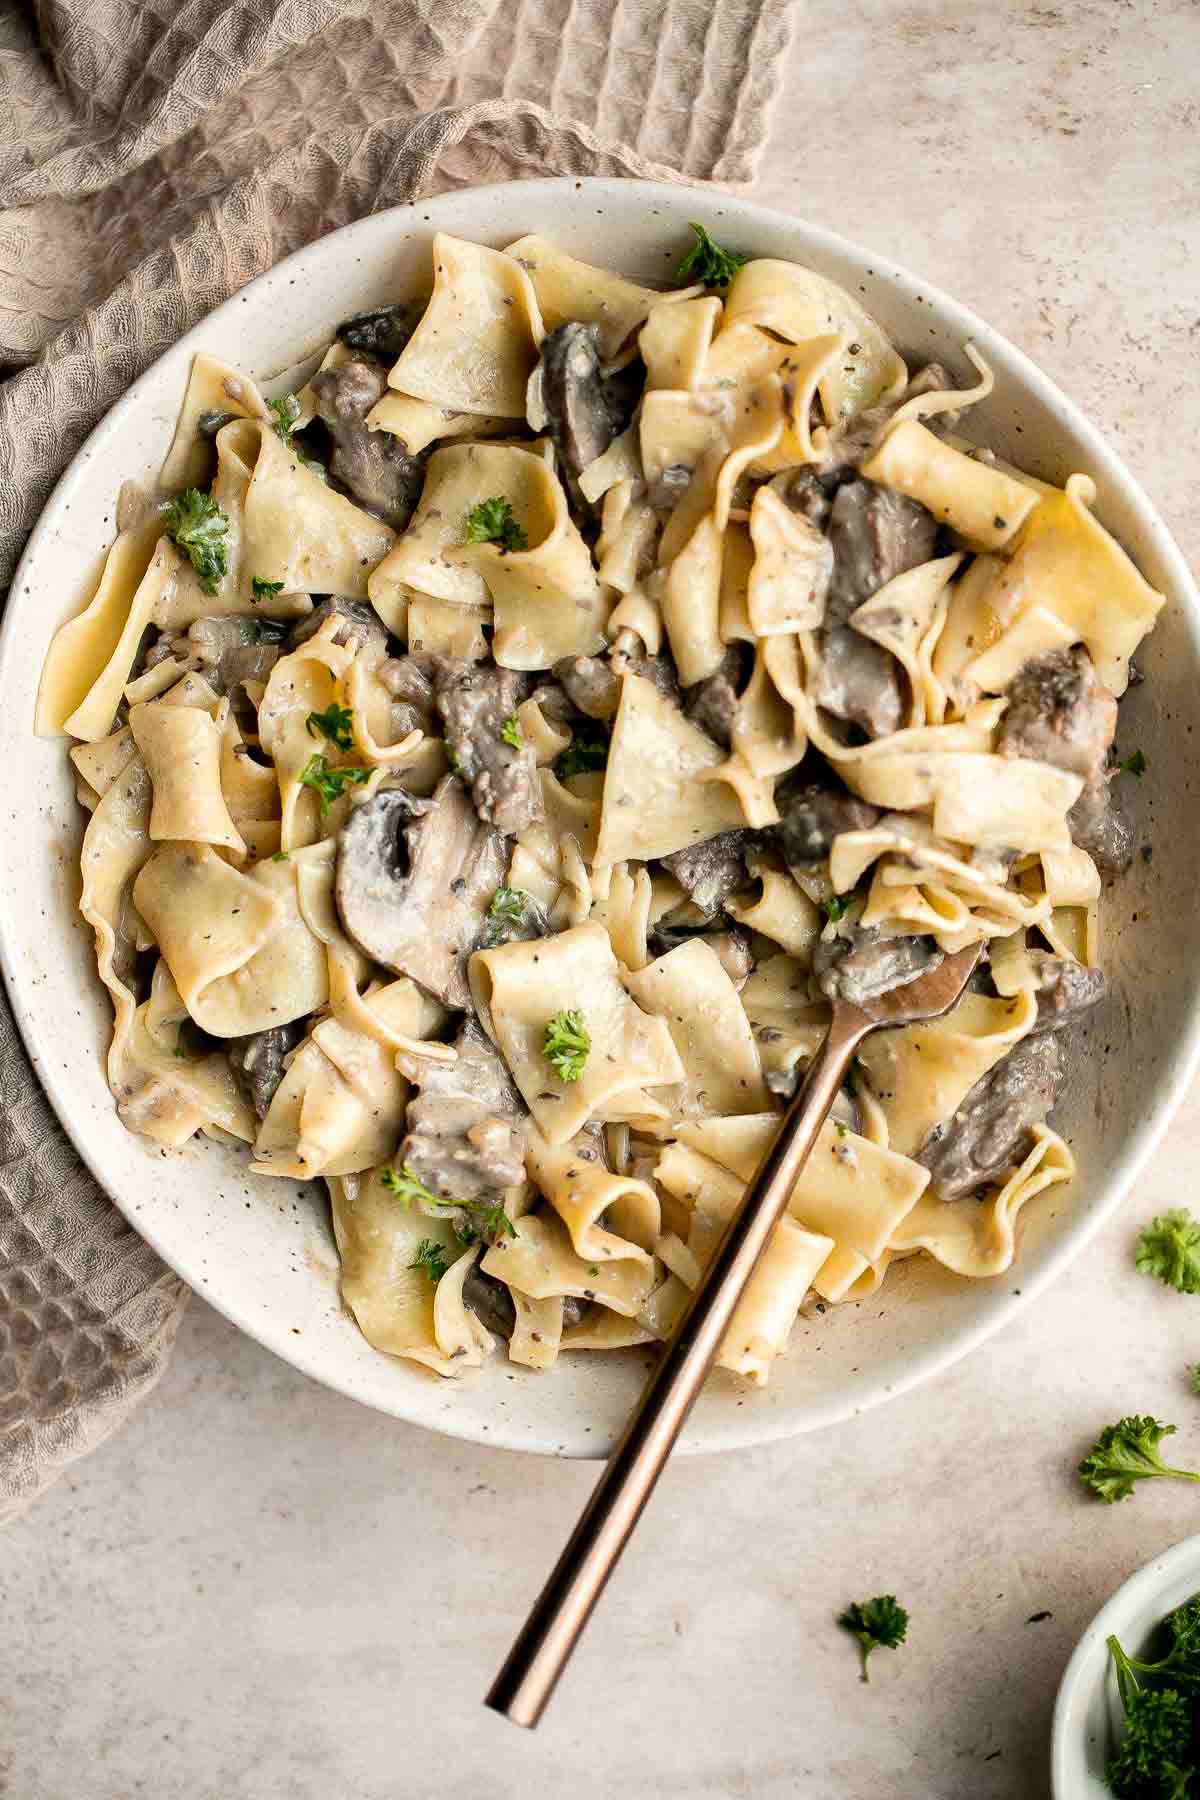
(484, 1220)
(878, 1622)
(286, 412)
(1194, 1375)
(509, 903)
(1169, 1247)
(265, 590)
(330, 783)
(334, 723)
(510, 733)
(841, 1128)
(835, 908)
(195, 523)
(431, 1257)
(586, 752)
(1125, 1454)
(493, 522)
(1157, 1756)
(709, 262)
(281, 856)
(1134, 765)
(566, 1045)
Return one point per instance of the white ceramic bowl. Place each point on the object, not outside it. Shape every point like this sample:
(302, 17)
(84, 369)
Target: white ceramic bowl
(1088, 1711)
(261, 1250)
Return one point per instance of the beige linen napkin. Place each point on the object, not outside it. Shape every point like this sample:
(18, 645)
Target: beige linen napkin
(154, 156)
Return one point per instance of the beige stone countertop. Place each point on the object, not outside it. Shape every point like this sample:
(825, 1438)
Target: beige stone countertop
(261, 1591)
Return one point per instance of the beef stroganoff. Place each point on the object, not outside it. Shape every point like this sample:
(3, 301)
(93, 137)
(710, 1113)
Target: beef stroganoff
(500, 752)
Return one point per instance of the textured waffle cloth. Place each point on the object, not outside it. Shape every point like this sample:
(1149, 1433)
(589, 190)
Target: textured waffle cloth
(154, 156)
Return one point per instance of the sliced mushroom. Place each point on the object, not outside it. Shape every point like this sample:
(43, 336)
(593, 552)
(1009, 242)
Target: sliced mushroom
(569, 397)
(257, 1061)
(381, 331)
(414, 880)
(373, 467)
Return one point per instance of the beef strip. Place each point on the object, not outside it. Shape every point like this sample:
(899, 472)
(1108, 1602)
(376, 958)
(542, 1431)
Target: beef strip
(811, 816)
(859, 965)
(409, 680)
(373, 467)
(591, 684)
(712, 703)
(1060, 712)
(876, 535)
(1066, 990)
(475, 701)
(358, 624)
(855, 441)
(859, 681)
(990, 1131)
(228, 652)
(257, 1062)
(464, 1138)
(709, 872)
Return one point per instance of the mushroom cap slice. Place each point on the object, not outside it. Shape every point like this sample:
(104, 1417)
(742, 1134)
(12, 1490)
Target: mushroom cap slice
(414, 880)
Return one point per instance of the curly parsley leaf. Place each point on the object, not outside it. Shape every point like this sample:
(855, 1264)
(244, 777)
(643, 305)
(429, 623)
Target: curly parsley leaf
(509, 903)
(482, 1220)
(878, 1622)
(709, 262)
(431, 1257)
(330, 783)
(265, 590)
(835, 908)
(286, 411)
(1169, 1247)
(334, 723)
(1155, 1757)
(1134, 765)
(586, 752)
(1123, 1455)
(510, 733)
(493, 522)
(195, 523)
(566, 1045)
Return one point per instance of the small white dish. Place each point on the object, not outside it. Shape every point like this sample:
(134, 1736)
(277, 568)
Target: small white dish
(261, 1250)
(1088, 1712)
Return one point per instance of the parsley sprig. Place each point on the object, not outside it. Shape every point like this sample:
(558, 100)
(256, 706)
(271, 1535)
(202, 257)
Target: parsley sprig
(881, 1621)
(494, 522)
(1169, 1247)
(835, 908)
(335, 723)
(566, 1045)
(709, 262)
(431, 1256)
(586, 752)
(286, 413)
(1123, 1455)
(483, 1220)
(195, 523)
(510, 733)
(1134, 765)
(264, 590)
(330, 783)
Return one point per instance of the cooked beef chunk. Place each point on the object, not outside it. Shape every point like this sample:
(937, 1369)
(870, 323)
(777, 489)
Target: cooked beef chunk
(553, 701)
(990, 1131)
(629, 658)
(476, 701)
(227, 651)
(858, 965)
(592, 686)
(569, 396)
(876, 535)
(811, 816)
(381, 331)
(490, 1301)
(1059, 712)
(371, 466)
(712, 703)
(414, 880)
(859, 681)
(464, 1136)
(1098, 825)
(806, 492)
(359, 625)
(257, 1062)
(855, 441)
(409, 680)
(1066, 990)
(711, 871)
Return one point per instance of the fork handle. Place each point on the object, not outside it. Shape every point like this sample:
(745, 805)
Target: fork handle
(562, 1609)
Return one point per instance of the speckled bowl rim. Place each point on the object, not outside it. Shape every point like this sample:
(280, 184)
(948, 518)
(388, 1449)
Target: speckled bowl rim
(736, 1427)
